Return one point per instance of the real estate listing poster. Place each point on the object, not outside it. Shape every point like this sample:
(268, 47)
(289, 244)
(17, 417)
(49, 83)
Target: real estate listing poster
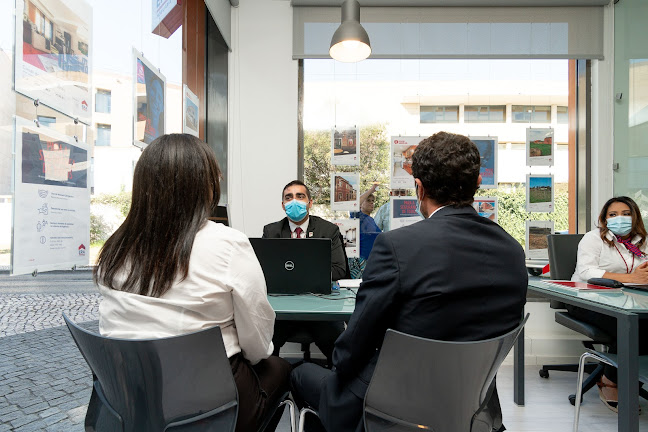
(51, 228)
(487, 147)
(345, 146)
(404, 212)
(536, 239)
(53, 55)
(540, 193)
(540, 146)
(402, 149)
(344, 191)
(486, 207)
(149, 101)
(190, 112)
(350, 230)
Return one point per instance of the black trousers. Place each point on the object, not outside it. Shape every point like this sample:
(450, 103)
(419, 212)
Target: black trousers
(259, 388)
(306, 382)
(609, 325)
(322, 333)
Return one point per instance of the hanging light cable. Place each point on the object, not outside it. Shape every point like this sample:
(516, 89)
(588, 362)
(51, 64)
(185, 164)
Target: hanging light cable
(350, 42)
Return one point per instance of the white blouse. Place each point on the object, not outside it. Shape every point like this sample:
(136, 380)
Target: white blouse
(595, 257)
(225, 286)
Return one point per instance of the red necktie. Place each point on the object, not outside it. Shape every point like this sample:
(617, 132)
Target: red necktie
(298, 232)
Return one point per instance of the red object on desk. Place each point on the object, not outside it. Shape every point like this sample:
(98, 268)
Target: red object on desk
(583, 286)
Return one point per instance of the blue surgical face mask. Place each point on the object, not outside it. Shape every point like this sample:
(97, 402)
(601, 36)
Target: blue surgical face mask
(620, 225)
(296, 210)
(418, 202)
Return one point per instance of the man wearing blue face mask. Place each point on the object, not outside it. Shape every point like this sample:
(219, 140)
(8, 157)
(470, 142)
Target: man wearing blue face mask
(299, 224)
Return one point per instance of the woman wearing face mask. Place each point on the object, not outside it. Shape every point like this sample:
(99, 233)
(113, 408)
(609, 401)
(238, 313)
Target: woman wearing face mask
(615, 250)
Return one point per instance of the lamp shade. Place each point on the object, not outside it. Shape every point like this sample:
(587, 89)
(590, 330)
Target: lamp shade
(350, 42)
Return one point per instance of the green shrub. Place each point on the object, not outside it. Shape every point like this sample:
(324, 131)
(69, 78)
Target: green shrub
(511, 209)
(99, 229)
(121, 201)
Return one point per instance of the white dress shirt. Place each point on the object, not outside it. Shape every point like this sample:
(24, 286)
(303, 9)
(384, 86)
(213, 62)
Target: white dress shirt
(595, 257)
(294, 226)
(225, 286)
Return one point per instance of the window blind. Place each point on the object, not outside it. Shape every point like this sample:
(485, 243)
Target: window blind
(565, 32)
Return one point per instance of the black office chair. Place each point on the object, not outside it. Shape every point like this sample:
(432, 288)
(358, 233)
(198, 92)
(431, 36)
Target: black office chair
(443, 388)
(175, 384)
(563, 251)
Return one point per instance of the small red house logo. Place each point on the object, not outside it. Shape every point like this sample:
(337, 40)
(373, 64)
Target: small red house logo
(82, 250)
(84, 105)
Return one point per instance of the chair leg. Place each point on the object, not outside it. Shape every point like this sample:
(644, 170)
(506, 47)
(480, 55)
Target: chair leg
(590, 381)
(302, 417)
(293, 415)
(579, 388)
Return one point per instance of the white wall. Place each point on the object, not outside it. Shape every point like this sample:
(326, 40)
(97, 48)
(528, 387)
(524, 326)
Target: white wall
(263, 113)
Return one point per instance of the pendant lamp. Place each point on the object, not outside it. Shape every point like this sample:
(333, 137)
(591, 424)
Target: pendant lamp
(350, 42)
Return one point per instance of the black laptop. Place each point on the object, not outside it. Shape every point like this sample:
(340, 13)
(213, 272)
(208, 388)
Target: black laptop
(295, 266)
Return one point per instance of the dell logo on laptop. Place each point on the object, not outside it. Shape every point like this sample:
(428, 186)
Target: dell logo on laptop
(289, 265)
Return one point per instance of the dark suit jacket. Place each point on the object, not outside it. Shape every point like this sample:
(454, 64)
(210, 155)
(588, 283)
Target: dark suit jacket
(319, 228)
(456, 276)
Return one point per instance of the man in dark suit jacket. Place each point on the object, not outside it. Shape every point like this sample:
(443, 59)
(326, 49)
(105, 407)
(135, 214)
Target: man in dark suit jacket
(296, 202)
(454, 276)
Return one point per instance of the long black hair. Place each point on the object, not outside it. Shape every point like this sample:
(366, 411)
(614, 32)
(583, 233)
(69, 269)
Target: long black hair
(175, 189)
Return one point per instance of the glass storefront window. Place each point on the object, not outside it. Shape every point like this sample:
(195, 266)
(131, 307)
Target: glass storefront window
(98, 57)
(388, 99)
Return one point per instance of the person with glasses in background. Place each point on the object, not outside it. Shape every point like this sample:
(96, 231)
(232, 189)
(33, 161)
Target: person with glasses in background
(368, 231)
(382, 215)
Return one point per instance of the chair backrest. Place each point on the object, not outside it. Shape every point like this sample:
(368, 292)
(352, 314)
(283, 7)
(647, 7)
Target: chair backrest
(563, 249)
(439, 385)
(159, 384)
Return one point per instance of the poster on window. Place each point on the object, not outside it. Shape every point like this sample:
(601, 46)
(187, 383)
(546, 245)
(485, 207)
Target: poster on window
(536, 239)
(487, 147)
(350, 230)
(404, 212)
(53, 55)
(190, 111)
(486, 207)
(540, 146)
(149, 98)
(402, 149)
(51, 228)
(540, 193)
(345, 146)
(344, 191)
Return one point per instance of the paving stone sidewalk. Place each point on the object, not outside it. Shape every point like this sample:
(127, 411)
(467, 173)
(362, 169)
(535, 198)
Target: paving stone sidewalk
(20, 313)
(45, 384)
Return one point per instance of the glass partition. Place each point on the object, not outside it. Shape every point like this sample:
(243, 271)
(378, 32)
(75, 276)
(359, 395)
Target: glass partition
(631, 102)
(92, 44)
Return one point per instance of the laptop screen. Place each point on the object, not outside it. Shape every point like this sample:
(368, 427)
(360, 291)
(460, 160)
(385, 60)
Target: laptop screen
(295, 266)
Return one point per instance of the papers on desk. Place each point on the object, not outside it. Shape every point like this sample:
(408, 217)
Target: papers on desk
(583, 286)
(349, 283)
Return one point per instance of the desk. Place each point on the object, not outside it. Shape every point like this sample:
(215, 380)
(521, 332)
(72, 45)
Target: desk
(626, 306)
(308, 307)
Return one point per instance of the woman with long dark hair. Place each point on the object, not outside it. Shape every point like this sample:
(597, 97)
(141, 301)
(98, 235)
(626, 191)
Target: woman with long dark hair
(615, 250)
(168, 271)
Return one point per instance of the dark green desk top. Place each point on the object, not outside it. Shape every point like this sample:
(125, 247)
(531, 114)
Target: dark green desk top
(308, 307)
